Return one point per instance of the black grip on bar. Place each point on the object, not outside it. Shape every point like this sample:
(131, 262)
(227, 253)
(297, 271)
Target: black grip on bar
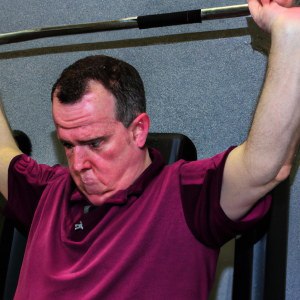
(170, 19)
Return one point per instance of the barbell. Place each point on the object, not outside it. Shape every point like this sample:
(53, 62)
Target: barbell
(141, 22)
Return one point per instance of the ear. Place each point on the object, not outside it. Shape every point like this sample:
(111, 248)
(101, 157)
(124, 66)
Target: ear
(140, 128)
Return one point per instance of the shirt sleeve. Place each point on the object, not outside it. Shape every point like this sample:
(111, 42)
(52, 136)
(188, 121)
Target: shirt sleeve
(27, 181)
(201, 183)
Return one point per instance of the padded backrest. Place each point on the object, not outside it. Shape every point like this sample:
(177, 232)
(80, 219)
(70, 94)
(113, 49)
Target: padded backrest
(172, 146)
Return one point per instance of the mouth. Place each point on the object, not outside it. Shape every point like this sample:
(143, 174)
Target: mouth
(88, 181)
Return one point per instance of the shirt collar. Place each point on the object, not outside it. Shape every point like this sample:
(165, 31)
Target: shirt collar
(138, 186)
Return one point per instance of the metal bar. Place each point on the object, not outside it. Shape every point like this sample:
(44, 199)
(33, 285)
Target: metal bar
(32, 34)
(225, 12)
(127, 23)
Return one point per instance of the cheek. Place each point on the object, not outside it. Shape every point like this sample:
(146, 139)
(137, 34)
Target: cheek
(110, 165)
(115, 152)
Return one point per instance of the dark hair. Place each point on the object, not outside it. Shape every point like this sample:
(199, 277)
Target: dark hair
(118, 77)
(296, 3)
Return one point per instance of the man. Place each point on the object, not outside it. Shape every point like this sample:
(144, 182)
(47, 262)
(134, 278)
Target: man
(119, 225)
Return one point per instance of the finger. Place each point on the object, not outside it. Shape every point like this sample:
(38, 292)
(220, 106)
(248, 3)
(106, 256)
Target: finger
(265, 2)
(286, 3)
(254, 7)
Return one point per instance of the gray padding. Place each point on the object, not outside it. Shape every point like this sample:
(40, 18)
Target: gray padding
(197, 82)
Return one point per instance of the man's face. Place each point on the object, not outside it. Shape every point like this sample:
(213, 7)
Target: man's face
(100, 150)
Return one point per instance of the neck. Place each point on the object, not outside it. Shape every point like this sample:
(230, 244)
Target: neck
(145, 163)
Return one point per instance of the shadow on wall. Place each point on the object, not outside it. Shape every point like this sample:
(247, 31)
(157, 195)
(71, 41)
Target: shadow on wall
(222, 288)
(261, 42)
(59, 150)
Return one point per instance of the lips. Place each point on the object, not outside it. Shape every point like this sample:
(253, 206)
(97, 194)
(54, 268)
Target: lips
(88, 181)
(90, 186)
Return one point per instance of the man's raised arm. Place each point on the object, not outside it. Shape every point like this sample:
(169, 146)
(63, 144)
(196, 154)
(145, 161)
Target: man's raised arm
(8, 150)
(265, 159)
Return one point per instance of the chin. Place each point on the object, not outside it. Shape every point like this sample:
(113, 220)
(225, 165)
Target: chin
(96, 199)
(96, 196)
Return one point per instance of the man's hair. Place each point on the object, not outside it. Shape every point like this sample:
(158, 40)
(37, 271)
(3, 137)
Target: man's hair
(296, 3)
(118, 77)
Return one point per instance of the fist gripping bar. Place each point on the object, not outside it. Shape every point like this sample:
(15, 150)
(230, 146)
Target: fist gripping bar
(142, 22)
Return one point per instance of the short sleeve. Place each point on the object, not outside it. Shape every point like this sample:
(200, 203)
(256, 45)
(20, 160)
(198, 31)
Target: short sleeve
(27, 181)
(201, 183)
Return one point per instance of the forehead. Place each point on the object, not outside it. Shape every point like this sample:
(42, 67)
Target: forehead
(96, 107)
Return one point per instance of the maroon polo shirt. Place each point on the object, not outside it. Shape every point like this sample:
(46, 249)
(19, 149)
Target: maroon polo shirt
(158, 239)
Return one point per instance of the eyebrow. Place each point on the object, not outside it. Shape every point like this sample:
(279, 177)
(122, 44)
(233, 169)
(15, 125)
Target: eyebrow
(97, 139)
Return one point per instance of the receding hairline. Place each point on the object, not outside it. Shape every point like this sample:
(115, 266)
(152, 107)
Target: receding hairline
(86, 91)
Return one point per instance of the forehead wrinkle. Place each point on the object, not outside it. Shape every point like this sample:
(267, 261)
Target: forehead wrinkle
(81, 117)
(87, 132)
(101, 128)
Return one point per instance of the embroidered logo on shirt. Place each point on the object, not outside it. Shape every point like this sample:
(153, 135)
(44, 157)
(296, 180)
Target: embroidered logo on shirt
(78, 226)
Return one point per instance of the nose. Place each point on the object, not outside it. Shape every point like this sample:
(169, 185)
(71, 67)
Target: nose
(80, 159)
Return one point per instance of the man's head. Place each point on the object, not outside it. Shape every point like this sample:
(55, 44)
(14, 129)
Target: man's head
(118, 77)
(104, 154)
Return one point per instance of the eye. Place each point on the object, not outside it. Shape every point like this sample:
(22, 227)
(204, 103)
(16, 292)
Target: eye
(96, 144)
(68, 146)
